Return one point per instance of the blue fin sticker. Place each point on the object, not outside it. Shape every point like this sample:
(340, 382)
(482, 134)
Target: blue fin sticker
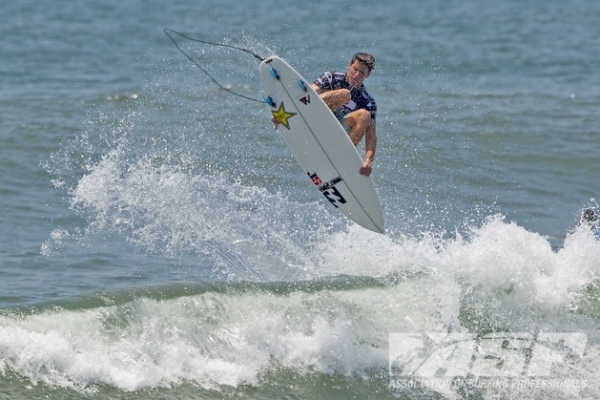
(302, 85)
(269, 101)
(273, 73)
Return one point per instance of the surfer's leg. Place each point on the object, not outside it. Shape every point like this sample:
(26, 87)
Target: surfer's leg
(336, 98)
(357, 121)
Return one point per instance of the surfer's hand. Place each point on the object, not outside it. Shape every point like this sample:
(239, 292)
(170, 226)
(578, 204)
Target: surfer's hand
(275, 121)
(366, 168)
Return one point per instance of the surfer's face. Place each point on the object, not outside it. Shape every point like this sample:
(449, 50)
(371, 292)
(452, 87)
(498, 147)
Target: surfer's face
(357, 73)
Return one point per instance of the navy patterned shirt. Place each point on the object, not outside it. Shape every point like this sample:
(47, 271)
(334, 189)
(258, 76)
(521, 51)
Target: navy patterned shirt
(360, 98)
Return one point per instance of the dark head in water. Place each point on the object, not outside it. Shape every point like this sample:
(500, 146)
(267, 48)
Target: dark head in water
(588, 216)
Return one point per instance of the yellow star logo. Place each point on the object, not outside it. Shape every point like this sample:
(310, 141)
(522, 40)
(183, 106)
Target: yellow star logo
(282, 116)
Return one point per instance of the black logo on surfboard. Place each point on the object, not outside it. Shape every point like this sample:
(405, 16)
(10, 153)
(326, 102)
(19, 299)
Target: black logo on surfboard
(328, 189)
(305, 100)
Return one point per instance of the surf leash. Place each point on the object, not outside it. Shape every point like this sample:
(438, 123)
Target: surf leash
(170, 32)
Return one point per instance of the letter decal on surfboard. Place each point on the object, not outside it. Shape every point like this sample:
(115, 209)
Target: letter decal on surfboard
(330, 184)
(334, 196)
(282, 116)
(328, 189)
(315, 178)
(305, 100)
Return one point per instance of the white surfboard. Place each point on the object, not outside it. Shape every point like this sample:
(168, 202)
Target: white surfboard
(320, 144)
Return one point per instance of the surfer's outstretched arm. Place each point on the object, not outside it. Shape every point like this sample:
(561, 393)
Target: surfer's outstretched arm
(358, 123)
(370, 146)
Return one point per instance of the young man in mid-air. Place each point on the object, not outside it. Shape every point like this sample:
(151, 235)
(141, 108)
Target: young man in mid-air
(346, 95)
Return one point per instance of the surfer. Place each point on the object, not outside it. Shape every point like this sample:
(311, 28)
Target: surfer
(345, 94)
(588, 220)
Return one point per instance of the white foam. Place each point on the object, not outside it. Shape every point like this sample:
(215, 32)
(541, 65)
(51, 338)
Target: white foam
(209, 339)
(502, 273)
(166, 209)
(499, 275)
(498, 259)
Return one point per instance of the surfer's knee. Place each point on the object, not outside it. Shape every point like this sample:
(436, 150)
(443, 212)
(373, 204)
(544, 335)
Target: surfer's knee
(341, 97)
(361, 118)
(344, 95)
(363, 115)
(358, 118)
(336, 98)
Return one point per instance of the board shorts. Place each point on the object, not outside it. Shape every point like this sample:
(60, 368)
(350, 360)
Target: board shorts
(346, 127)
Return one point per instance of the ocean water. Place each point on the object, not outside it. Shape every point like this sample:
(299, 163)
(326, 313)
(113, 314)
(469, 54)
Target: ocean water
(158, 240)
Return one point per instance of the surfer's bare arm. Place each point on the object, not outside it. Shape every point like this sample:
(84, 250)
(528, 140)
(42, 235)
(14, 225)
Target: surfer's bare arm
(333, 98)
(370, 146)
